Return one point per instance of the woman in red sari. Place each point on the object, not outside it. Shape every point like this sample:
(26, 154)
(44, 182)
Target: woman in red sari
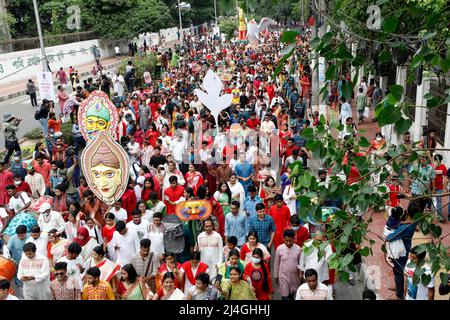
(152, 134)
(154, 105)
(139, 135)
(170, 265)
(217, 212)
(194, 179)
(285, 134)
(108, 229)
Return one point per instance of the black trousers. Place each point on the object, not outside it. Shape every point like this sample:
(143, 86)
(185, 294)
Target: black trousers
(11, 146)
(33, 99)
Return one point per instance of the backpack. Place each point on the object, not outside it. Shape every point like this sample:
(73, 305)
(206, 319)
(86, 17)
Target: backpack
(37, 114)
(173, 234)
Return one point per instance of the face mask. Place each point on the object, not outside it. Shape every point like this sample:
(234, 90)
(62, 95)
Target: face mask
(323, 179)
(17, 182)
(379, 139)
(256, 260)
(295, 228)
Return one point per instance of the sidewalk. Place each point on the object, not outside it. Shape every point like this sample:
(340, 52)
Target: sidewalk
(17, 89)
(384, 275)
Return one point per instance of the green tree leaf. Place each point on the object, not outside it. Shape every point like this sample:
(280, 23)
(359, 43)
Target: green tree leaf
(396, 91)
(389, 25)
(289, 36)
(403, 126)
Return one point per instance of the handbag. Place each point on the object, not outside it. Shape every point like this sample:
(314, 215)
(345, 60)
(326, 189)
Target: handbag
(151, 282)
(27, 92)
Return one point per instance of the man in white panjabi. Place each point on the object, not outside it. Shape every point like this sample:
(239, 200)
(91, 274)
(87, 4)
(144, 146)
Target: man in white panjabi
(237, 190)
(210, 245)
(312, 260)
(49, 219)
(40, 241)
(34, 272)
(125, 244)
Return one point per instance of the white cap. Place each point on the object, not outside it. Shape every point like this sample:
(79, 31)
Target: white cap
(44, 207)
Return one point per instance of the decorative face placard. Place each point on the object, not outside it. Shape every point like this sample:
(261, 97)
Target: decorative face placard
(106, 167)
(193, 210)
(97, 113)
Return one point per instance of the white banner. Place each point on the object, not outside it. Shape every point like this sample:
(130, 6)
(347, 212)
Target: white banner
(46, 89)
(321, 69)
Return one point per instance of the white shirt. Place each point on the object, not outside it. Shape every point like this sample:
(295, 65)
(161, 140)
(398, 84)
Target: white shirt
(117, 49)
(19, 203)
(267, 126)
(419, 292)
(211, 250)
(235, 189)
(156, 237)
(128, 244)
(73, 270)
(346, 111)
(177, 173)
(322, 292)
(11, 297)
(312, 261)
(120, 214)
(141, 229)
(40, 243)
(37, 184)
(53, 220)
(178, 149)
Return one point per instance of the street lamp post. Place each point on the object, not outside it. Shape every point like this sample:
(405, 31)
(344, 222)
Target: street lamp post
(181, 26)
(41, 39)
(215, 12)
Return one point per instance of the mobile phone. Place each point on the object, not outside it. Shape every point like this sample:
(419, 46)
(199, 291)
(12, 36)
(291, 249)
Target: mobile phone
(218, 279)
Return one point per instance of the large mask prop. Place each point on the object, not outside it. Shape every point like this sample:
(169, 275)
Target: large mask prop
(97, 113)
(105, 164)
(106, 168)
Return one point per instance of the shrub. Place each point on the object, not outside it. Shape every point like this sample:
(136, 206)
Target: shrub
(147, 62)
(34, 134)
(66, 129)
(228, 26)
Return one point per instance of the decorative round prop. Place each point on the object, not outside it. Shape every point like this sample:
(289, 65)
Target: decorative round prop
(193, 210)
(97, 113)
(106, 167)
(8, 268)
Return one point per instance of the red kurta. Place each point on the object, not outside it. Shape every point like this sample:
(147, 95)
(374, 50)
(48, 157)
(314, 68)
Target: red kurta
(173, 195)
(281, 218)
(129, 202)
(6, 178)
(256, 276)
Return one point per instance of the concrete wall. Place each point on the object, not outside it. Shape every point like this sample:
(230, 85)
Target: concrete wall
(20, 65)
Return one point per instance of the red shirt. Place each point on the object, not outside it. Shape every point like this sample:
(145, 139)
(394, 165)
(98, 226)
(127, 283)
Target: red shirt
(25, 187)
(289, 150)
(281, 218)
(107, 233)
(6, 178)
(256, 275)
(301, 236)
(129, 202)
(253, 123)
(440, 172)
(44, 170)
(173, 195)
(393, 193)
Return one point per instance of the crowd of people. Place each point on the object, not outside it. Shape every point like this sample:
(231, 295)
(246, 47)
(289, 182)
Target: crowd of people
(250, 248)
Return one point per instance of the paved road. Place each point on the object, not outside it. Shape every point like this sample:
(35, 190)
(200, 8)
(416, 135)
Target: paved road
(21, 107)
